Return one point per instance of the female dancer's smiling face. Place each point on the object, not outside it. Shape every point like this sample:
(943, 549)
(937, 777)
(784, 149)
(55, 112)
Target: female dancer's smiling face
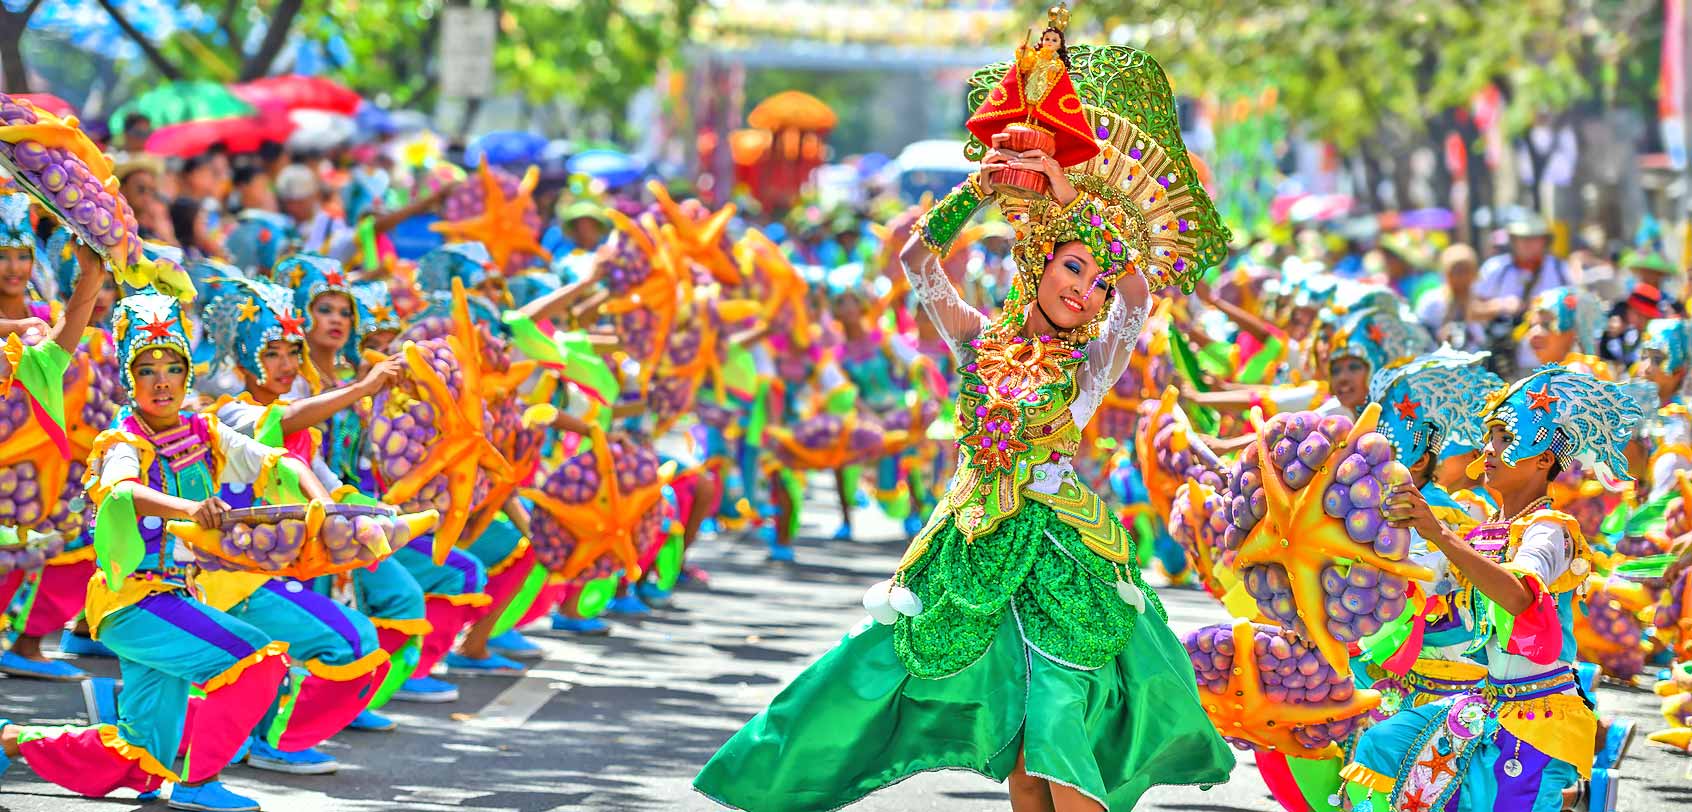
(1071, 291)
(331, 321)
(15, 266)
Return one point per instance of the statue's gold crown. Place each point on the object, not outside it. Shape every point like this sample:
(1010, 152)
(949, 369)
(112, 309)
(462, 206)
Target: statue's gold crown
(1057, 17)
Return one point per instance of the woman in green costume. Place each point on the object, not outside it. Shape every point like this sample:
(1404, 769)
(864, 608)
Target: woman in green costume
(1017, 639)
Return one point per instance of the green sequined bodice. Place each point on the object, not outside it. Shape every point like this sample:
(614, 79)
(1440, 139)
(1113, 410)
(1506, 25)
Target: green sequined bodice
(1013, 414)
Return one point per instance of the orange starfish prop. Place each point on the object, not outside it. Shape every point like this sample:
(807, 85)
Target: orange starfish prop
(1242, 711)
(659, 292)
(786, 287)
(837, 454)
(700, 241)
(1439, 765)
(607, 524)
(707, 362)
(460, 449)
(500, 225)
(1297, 535)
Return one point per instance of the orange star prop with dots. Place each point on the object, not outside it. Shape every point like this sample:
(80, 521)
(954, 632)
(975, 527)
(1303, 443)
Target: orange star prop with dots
(1242, 711)
(500, 225)
(659, 293)
(461, 449)
(700, 240)
(1299, 536)
(607, 524)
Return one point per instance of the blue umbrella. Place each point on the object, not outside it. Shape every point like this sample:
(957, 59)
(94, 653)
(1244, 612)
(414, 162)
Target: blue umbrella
(505, 147)
(612, 167)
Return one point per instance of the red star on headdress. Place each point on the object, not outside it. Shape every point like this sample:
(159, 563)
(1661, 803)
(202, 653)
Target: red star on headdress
(1376, 334)
(1541, 401)
(158, 330)
(335, 278)
(1407, 408)
(290, 324)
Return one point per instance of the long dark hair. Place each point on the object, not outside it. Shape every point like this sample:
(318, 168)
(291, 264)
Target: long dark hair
(1063, 46)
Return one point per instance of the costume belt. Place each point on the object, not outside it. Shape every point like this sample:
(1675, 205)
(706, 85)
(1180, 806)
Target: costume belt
(1499, 691)
(1434, 685)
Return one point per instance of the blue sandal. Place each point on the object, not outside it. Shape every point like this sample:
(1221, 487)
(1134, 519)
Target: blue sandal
(13, 664)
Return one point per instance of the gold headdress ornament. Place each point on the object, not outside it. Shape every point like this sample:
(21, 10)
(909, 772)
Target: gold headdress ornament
(1140, 207)
(1057, 17)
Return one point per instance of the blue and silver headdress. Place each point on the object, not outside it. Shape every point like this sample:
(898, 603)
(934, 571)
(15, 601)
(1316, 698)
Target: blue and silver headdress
(261, 239)
(150, 320)
(311, 276)
(16, 231)
(1671, 339)
(468, 262)
(1379, 337)
(1571, 414)
(1573, 310)
(60, 259)
(375, 304)
(245, 315)
(1428, 405)
(531, 285)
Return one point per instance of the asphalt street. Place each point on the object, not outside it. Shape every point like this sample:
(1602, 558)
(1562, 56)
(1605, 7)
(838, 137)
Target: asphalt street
(622, 723)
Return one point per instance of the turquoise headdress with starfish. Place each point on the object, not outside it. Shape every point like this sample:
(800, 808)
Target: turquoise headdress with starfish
(149, 320)
(375, 305)
(1428, 405)
(311, 276)
(243, 316)
(1573, 310)
(468, 262)
(1671, 339)
(1575, 416)
(1379, 337)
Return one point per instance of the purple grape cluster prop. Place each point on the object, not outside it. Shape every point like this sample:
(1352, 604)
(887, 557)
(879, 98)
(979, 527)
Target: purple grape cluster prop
(61, 168)
(1198, 519)
(278, 539)
(1277, 694)
(578, 482)
(627, 265)
(1607, 627)
(1310, 540)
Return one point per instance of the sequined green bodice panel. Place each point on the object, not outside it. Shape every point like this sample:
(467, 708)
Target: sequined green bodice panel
(1064, 598)
(1013, 414)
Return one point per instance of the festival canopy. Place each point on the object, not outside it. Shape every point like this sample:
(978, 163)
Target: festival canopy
(243, 134)
(298, 93)
(506, 148)
(320, 130)
(178, 102)
(792, 110)
(613, 167)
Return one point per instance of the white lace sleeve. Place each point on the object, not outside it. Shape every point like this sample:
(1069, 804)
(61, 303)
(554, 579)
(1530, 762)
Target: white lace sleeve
(1107, 357)
(957, 321)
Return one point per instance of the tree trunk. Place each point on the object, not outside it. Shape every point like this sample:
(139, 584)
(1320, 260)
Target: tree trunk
(14, 75)
(275, 36)
(159, 61)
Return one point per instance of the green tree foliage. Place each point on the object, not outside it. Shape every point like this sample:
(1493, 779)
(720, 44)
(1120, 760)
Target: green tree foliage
(1346, 69)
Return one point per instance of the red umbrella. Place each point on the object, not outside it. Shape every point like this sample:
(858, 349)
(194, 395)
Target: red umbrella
(298, 93)
(49, 102)
(243, 134)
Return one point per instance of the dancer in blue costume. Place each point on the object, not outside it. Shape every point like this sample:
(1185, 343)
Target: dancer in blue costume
(1525, 734)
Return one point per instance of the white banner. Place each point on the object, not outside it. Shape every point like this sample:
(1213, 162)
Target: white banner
(468, 37)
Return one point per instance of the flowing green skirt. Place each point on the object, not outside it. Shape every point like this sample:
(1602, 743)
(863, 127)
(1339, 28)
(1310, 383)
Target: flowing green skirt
(857, 720)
